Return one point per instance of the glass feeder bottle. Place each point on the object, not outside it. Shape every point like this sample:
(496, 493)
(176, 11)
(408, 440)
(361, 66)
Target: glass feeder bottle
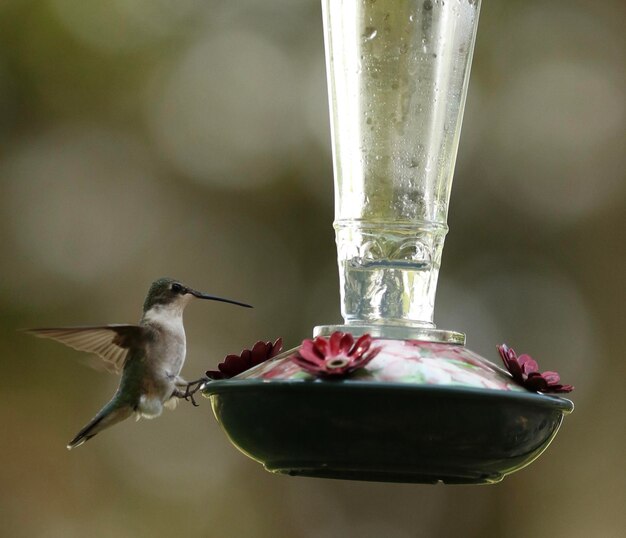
(398, 73)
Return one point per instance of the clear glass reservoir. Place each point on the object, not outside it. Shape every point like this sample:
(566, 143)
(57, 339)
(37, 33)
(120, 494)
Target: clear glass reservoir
(398, 72)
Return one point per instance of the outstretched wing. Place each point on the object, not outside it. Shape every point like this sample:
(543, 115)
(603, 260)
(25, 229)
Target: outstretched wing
(109, 342)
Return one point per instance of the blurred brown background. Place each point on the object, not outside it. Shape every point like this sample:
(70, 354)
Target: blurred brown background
(190, 138)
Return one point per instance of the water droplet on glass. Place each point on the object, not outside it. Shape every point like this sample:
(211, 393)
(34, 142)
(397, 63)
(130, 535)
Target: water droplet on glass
(369, 33)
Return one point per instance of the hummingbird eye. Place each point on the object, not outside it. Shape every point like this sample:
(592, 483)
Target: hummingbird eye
(176, 287)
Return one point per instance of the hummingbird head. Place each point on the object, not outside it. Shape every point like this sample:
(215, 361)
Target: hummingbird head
(170, 293)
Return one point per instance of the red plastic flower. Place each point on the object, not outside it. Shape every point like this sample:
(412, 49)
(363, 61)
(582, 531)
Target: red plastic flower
(235, 364)
(526, 372)
(336, 356)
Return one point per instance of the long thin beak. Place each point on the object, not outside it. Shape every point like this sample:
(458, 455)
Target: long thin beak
(201, 295)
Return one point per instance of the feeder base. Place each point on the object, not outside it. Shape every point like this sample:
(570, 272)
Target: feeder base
(345, 471)
(386, 432)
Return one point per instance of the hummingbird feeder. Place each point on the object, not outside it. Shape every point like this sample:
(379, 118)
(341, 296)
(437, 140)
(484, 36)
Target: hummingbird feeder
(387, 396)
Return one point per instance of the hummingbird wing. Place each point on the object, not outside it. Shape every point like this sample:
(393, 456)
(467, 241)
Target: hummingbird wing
(109, 342)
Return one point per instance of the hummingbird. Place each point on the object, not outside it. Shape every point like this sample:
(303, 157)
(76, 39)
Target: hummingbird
(149, 356)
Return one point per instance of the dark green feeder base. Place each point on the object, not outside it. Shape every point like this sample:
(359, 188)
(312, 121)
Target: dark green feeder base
(378, 473)
(386, 432)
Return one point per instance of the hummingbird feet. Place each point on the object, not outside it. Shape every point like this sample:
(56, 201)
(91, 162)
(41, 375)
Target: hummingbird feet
(190, 391)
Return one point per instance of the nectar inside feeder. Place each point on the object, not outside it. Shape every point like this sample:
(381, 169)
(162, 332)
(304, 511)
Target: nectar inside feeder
(387, 396)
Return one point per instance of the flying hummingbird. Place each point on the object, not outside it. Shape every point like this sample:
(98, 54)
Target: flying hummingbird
(149, 356)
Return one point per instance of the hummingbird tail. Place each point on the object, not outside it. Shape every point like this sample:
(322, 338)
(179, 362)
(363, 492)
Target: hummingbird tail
(109, 415)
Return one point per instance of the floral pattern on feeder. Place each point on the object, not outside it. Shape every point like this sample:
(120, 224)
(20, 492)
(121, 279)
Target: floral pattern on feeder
(395, 361)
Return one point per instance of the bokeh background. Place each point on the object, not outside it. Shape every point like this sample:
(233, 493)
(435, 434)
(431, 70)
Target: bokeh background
(142, 138)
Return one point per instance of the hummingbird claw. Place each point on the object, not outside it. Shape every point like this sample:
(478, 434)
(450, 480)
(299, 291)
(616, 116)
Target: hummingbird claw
(190, 391)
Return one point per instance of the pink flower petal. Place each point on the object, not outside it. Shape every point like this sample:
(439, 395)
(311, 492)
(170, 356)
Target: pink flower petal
(508, 354)
(246, 355)
(310, 352)
(305, 363)
(277, 347)
(346, 343)
(334, 344)
(258, 353)
(321, 346)
(527, 364)
(562, 388)
(536, 382)
(509, 358)
(363, 360)
(233, 365)
(552, 378)
(362, 345)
